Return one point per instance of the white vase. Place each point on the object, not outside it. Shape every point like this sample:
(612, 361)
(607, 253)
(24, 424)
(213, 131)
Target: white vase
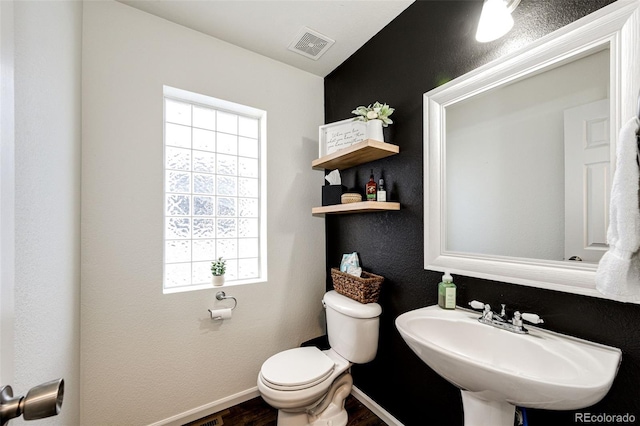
(374, 130)
(217, 280)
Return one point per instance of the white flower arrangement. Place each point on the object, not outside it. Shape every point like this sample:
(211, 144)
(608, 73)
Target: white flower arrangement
(376, 111)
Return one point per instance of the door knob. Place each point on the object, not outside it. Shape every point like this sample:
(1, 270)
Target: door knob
(41, 401)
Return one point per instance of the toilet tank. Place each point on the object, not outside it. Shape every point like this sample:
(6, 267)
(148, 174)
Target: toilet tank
(352, 327)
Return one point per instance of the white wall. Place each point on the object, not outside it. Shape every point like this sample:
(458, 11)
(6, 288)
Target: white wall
(47, 199)
(505, 161)
(147, 356)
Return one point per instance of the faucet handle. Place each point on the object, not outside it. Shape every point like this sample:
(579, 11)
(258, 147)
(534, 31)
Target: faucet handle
(476, 304)
(532, 318)
(517, 319)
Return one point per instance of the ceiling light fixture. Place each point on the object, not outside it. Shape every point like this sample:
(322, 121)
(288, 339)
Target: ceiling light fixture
(495, 19)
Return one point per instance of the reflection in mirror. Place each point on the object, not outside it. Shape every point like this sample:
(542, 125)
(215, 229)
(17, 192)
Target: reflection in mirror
(518, 155)
(519, 171)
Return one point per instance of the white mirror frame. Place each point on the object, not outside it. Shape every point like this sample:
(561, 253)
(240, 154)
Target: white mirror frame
(616, 26)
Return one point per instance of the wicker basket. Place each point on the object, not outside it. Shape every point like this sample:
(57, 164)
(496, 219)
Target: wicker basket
(350, 197)
(364, 289)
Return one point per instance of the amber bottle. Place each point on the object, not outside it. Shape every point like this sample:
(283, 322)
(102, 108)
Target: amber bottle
(372, 188)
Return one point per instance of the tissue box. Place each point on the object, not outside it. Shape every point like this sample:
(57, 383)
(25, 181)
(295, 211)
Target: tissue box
(331, 194)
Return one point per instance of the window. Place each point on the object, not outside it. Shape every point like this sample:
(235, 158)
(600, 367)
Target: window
(214, 190)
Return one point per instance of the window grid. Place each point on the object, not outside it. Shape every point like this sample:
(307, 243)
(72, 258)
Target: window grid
(212, 193)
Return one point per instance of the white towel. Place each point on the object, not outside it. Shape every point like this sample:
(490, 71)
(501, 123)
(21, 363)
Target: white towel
(618, 274)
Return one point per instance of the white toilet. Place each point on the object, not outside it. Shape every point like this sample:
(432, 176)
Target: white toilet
(308, 386)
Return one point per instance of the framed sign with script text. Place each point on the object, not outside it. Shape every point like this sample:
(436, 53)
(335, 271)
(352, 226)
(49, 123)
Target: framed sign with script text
(341, 134)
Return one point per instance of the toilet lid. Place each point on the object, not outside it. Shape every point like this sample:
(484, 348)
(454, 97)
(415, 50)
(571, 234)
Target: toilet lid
(297, 367)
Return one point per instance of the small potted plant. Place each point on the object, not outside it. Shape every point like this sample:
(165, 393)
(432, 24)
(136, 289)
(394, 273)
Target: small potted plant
(218, 268)
(376, 116)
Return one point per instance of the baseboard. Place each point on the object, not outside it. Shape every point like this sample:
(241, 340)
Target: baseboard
(207, 409)
(384, 415)
(240, 397)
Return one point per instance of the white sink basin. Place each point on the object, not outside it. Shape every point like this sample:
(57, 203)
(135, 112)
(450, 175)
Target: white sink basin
(497, 369)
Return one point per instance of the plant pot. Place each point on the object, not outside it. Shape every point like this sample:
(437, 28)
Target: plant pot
(217, 280)
(374, 130)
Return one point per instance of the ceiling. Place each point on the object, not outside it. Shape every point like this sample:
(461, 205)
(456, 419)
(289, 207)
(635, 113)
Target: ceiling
(268, 27)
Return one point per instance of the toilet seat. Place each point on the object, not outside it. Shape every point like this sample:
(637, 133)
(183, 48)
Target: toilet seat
(297, 369)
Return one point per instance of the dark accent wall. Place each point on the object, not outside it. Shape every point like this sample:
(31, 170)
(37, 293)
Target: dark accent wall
(430, 43)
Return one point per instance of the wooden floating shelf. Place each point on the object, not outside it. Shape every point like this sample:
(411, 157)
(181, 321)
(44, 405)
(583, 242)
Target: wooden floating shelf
(360, 207)
(359, 153)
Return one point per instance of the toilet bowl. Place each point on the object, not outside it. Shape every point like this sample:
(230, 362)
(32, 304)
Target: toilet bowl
(298, 379)
(308, 386)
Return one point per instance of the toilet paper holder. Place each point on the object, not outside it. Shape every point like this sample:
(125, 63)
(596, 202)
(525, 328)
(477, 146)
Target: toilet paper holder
(221, 295)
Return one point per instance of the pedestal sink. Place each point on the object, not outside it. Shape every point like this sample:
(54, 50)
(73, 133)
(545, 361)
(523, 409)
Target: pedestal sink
(497, 370)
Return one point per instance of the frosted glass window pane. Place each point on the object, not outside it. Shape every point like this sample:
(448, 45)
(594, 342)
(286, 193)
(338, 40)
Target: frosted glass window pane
(248, 207)
(227, 123)
(227, 248)
(248, 167)
(178, 227)
(248, 228)
(177, 251)
(177, 135)
(203, 228)
(232, 270)
(203, 184)
(248, 127)
(178, 205)
(177, 158)
(201, 272)
(248, 147)
(204, 140)
(227, 185)
(248, 247)
(177, 274)
(227, 228)
(177, 112)
(212, 191)
(248, 187)
(204, 118)
(178, 182)
(203, 250)
(247, 268)
(227, 144)
(226, 206)
(227, 165)
(203, 206)
(204, 161)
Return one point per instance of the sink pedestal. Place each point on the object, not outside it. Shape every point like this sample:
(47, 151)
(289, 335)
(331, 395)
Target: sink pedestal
(480, 412)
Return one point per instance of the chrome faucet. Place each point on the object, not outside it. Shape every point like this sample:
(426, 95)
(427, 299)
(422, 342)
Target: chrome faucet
(503, 315)
(515, 324)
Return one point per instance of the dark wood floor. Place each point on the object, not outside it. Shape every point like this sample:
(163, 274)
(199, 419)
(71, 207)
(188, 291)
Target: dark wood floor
(256, 412)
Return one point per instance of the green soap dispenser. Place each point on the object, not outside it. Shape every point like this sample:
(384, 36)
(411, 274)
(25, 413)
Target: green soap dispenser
(447, 293)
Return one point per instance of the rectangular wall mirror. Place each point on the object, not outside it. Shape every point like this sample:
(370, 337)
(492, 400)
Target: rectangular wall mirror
(519, 155)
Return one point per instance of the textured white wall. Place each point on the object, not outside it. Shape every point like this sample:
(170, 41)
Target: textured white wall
(147, 356)
(47, 215)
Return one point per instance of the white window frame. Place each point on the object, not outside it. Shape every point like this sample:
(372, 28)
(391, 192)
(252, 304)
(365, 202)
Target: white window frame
(241, 110)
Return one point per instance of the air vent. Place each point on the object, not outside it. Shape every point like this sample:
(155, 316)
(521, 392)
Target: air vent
(211, 420)
(310, 43)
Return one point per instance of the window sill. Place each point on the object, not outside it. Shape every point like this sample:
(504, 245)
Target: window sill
(209, 286)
